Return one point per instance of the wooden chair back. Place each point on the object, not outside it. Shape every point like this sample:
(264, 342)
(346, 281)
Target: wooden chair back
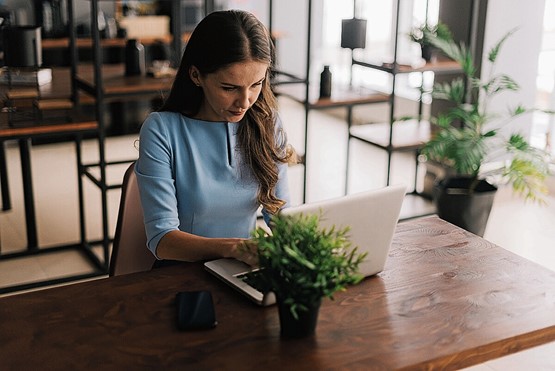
(129, 251)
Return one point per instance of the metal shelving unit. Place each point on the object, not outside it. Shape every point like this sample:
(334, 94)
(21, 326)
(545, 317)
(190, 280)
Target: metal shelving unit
(394, 135)
(302, 91)
(106, 84)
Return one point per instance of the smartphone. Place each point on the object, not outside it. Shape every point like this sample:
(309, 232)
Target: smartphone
(195, 310)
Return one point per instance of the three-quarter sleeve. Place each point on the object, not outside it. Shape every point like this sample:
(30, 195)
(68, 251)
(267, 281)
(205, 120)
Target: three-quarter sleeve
(156, 181)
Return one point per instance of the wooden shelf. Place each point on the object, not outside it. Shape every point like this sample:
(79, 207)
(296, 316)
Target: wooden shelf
(39, 130)
(340, 96)
(22, 93)
(439, 66)
(407, 135)
(114, 81)
(54, 104)
(58, 88)
(116, 42)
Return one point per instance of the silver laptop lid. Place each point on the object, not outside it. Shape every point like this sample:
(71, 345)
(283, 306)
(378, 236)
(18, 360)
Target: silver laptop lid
(371, 215)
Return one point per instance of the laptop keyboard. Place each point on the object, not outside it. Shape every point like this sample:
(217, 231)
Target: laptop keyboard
(250, 279)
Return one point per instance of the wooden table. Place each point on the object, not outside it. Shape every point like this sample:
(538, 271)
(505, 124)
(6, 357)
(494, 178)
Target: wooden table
(447, 299)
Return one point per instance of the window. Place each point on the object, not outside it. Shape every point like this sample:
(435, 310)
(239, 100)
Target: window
(543, 129)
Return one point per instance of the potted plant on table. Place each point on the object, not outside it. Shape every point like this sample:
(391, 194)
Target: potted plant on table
(471, 142)
(301, 263)
(425, 34)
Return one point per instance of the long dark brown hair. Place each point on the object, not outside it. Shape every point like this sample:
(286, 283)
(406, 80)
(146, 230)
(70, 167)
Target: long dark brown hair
(219, 40)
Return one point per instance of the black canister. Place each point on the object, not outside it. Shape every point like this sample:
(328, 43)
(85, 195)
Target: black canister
(134, 58)
(325, 83)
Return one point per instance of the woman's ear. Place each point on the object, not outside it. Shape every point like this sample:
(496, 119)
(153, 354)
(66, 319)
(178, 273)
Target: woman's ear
(194, 75)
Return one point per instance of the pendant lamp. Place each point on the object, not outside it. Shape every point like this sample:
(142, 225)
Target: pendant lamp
(353, 33)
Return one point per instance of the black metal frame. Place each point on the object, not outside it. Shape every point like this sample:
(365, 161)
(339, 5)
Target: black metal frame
(97, 91)
(33, 248)
(84, 246)
(294, 79)
(393, 69)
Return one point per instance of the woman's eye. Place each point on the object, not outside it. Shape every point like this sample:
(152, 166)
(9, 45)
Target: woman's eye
(228, 88)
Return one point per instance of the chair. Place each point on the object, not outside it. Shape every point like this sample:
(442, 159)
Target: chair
(129, 251)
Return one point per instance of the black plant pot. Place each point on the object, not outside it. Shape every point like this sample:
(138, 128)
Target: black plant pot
(456, 204)
(303, 326)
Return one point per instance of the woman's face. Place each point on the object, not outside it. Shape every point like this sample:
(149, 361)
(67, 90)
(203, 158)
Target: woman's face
(230, 91)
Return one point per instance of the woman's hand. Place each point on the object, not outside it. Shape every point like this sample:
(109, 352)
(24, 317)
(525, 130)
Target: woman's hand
(246, 252)
(178, 245)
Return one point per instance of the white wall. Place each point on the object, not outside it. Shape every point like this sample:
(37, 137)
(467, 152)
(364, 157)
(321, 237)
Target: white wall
(519, 54)
(291, 21)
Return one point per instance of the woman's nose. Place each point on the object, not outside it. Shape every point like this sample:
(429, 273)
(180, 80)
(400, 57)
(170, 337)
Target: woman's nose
(243, 100)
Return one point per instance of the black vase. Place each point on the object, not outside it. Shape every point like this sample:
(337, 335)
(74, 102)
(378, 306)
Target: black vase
(134, 58)
(457, 205)
(325, 83)
(303, 326)
(428, 53)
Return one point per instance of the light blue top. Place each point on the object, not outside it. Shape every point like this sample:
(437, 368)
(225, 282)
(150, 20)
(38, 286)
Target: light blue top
(191, 177)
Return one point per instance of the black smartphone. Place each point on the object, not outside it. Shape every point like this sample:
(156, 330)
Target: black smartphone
(195, 310)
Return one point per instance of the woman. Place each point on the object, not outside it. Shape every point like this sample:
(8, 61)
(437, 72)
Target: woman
(215, 152)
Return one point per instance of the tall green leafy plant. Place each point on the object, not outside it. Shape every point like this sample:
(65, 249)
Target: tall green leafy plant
(470, 136)
(302, 262)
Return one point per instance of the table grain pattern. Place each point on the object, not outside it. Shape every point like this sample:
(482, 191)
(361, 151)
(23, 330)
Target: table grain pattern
(446, 300)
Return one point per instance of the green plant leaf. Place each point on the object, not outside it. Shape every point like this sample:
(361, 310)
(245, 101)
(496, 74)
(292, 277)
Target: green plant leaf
(500, 83)
(527, 178)
(494, 51)
(465, 139)
(519, 110)
(302, 262)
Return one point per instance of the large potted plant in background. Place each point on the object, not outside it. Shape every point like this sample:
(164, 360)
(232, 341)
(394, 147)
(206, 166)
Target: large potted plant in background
(301, 263)
(471, 142)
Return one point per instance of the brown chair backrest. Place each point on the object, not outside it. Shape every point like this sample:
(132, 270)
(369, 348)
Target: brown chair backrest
(129, 251)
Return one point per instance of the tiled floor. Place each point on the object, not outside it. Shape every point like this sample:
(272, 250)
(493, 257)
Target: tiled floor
(526, 229)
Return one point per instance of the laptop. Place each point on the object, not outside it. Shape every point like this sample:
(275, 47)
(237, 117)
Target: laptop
(371, 215)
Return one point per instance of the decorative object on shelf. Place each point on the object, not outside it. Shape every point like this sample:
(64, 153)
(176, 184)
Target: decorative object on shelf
(51, 16)
(161, 69)
(147, 26)
(469, 137)
(111, 29)
(134, 58)
(424, 35)
(22, 46)
(301, 263)
(325, 83)
(15, 76)
(160, 51)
